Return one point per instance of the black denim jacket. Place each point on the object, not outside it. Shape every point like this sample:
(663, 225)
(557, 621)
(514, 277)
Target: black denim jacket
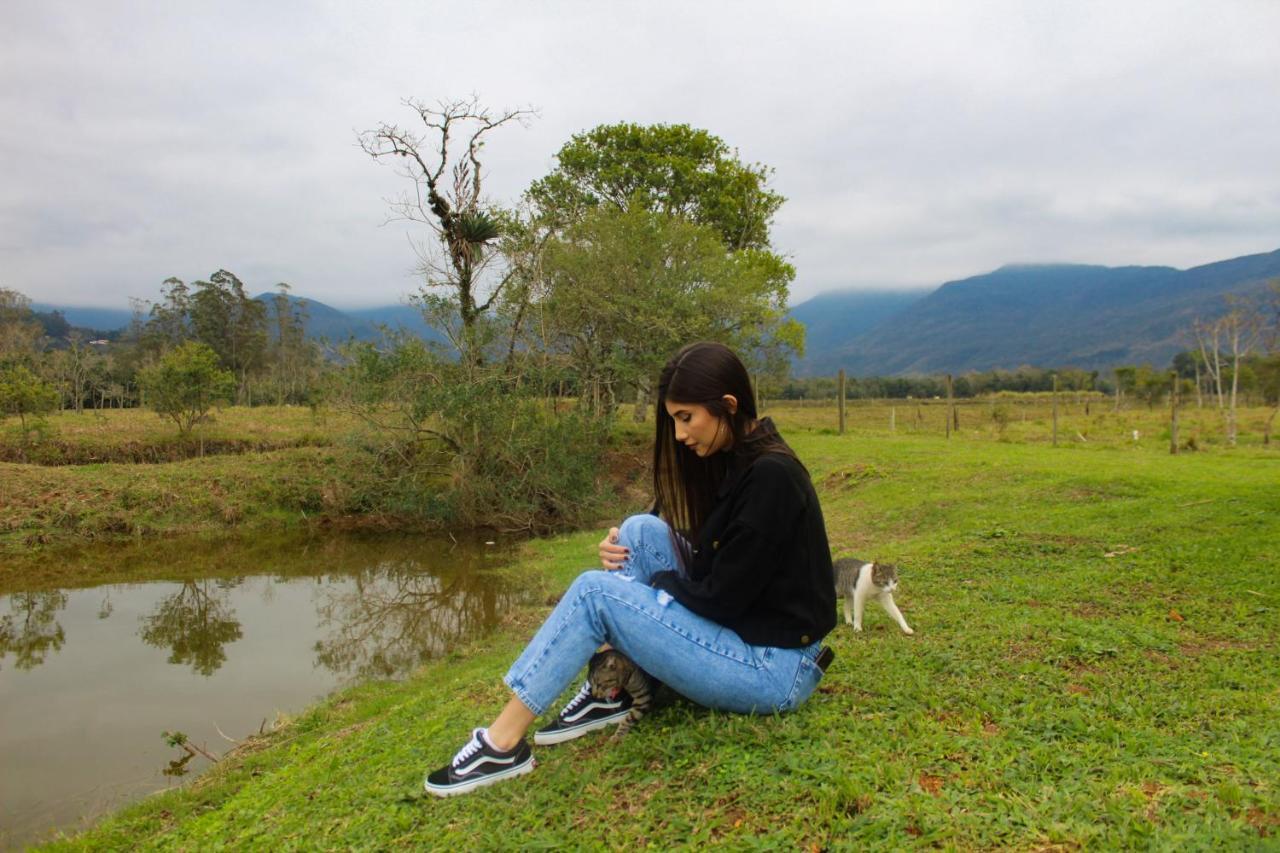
(762, 566)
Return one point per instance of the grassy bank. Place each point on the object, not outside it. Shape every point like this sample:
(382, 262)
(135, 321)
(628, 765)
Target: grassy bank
(140, 436)
(122, 474)
(1095, 663)
(65, 505)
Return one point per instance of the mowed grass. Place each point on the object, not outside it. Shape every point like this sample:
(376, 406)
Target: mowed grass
(1095, 664)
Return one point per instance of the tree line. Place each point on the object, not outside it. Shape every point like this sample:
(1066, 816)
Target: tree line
(207, 341)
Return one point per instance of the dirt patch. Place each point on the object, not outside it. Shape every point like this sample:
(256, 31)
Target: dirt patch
(348, 731)
(1079, 670)
(1152, 791)
(1196, 648)
(852, 476)
(931, 784)
(1264, 822)
(627, 471)
(1023, 650)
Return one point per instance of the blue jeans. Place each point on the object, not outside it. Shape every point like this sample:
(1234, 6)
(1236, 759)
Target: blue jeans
(696, 657)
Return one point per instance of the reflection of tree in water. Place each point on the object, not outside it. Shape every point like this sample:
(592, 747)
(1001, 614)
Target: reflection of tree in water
(391, 618)
(29, 630)
(195, 622)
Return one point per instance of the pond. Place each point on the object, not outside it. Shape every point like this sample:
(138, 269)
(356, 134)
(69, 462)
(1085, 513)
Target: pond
(212, 640)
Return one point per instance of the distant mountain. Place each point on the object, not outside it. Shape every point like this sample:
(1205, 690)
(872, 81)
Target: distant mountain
(323, 321)
(397, 317)
(364, 324)
(101, 319)
(1051, 315)
(833, 320)
(1046, 315)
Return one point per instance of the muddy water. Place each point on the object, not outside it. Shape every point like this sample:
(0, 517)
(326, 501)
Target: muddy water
(210, 640)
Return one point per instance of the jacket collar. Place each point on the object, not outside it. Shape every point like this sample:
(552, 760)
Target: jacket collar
(739, 463)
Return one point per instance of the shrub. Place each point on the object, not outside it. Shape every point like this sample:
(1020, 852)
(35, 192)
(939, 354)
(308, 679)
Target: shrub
(472, 443)
(185, 384)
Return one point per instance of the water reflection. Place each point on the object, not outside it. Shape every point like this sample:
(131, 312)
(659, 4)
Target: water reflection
(195, 623)
(395, 617)
(29, 630)
(104, 650)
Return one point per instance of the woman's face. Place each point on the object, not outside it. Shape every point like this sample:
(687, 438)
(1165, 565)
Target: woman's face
(698, 429)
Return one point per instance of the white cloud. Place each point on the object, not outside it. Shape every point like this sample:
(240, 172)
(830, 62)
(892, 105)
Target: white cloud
(916, 141)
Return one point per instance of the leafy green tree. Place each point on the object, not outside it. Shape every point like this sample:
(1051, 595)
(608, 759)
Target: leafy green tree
(185, 384)
(625, 288)
(291, 357)
(673, 169)
(19, 331)
(233, 324)
(25, 394)
(169, 325)
(676, 173)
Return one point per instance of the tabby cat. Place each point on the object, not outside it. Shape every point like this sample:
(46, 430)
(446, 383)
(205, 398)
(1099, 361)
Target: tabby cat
(856, 581)
(610, 671)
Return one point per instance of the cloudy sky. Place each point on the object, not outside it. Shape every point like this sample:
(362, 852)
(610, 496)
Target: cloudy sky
(916, 142)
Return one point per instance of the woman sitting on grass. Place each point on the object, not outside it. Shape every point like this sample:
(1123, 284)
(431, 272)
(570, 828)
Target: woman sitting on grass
(730, 612)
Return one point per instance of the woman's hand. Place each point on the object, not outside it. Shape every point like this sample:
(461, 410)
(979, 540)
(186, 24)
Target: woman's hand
(612, 555)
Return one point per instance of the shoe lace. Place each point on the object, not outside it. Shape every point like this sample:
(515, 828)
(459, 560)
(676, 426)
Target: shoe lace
(584, 693)
(472, 747)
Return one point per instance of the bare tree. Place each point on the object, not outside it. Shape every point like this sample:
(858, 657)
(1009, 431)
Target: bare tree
(443, 164)
(1208, 337)
(1232, 336)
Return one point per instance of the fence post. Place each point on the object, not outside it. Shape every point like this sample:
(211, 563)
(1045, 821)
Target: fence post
(949, 411)
(1055, 410)
(893, 419)
(842, 401)
(1173, 414)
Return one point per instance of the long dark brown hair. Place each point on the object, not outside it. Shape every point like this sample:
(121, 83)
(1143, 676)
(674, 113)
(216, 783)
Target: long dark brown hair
(685, 484)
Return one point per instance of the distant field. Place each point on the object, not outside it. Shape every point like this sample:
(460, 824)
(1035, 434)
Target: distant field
(140, 435)
(1028, 418)
(127, 473)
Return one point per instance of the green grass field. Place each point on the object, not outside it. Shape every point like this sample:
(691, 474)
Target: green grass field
(1095, 664)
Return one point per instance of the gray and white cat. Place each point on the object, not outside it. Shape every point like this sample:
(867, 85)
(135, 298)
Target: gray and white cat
(857, 581)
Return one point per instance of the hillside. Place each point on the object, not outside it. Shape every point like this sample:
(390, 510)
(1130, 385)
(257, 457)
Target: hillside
(1048, 315)
(1093, 317)
(833, 320)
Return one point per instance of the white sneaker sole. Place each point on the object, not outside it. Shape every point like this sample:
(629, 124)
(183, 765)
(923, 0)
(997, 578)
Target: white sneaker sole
(562, 735)
(465, 787)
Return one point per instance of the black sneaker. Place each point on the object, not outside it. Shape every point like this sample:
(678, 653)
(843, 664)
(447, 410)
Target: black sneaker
(478, 764)
(583, 714)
